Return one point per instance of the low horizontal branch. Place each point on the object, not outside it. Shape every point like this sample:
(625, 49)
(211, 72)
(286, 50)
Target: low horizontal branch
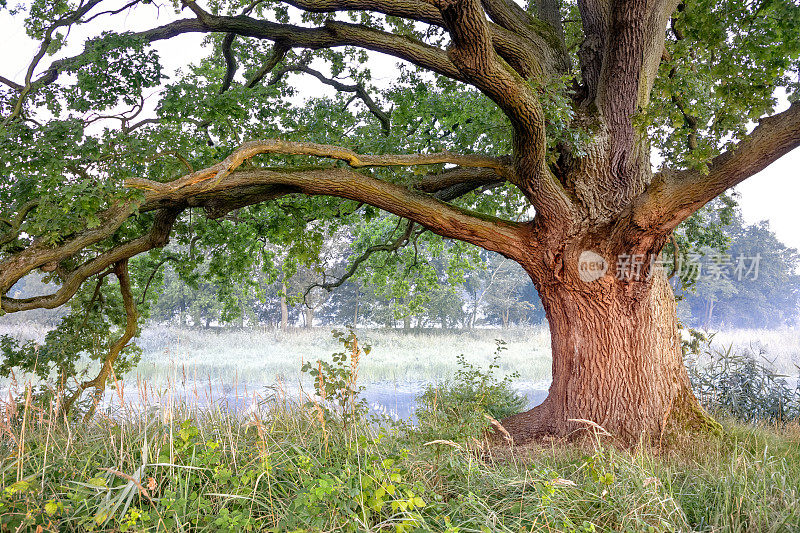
(156, 238)
(224, 187)
(444, 219)
(251, 149)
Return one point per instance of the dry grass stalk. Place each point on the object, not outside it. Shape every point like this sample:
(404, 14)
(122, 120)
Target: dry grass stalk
(498, 427)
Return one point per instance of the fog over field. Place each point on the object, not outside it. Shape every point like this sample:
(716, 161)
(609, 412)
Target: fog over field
(238, 368)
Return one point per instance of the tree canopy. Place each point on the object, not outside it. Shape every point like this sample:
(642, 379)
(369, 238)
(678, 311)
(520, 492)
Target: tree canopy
(524, 130)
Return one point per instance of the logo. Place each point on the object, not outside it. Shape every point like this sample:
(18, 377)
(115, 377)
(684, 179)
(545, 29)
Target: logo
(591, 266)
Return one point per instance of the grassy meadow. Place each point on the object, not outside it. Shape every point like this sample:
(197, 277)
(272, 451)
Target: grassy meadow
(290, 467)
(261, 356)
(289, 461)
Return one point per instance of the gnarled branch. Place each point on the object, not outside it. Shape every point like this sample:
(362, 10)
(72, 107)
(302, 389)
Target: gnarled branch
(529, 51)
(276, 146)
(471, 51)
(675, 195)
(131, 327)
(441, 218)
(221, 188)
(158, 237)
(391, 246)
(383, 117)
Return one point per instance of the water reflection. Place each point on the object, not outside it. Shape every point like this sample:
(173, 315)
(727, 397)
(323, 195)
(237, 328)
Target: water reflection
(397, 400)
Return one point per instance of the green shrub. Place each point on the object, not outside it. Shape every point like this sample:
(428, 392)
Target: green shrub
(740, 384)
(336, 383)
(456, 408)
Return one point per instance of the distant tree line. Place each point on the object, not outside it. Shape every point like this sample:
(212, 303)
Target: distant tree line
(765, 295)
(483, 290)
(492, 292)
(422, 287)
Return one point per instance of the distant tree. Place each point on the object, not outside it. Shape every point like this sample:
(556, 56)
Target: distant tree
(758, 287)
(445, 306)
(711, 289)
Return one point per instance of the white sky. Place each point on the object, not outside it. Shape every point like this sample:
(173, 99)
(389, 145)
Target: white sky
(770, 195)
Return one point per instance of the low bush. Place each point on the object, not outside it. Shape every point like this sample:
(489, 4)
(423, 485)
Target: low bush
(456, 408)
(741, 384)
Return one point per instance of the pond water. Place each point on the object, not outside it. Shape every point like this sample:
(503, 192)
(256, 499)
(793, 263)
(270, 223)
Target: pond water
(397, 400)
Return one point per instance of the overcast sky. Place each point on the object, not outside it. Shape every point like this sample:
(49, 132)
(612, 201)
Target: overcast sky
(770, 195)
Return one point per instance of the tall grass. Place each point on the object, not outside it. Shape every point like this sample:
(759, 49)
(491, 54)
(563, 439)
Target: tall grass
(781, 346)
(280, 469)
(741, 383)
(325, 466)
(161, 464)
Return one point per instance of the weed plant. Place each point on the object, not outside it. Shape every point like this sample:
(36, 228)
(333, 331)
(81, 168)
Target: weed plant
(742, 384)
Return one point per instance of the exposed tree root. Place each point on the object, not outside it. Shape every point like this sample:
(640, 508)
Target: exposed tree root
(540, 425)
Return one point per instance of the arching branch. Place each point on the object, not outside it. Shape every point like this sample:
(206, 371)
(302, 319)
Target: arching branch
(675, 195)
(440, 217)
(529, 51)
(156, 238)
(333, 34)
(41, 253)
(521, 51)
(276, 146)
(222, 187)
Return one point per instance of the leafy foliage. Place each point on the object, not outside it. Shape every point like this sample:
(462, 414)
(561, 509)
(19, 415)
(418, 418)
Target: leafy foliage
(740, 384)
(456, 409)
(728, 63)
(336, 383)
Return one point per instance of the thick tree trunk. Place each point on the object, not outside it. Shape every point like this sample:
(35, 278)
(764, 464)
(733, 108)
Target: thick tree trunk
(617, 362)
(309, 314)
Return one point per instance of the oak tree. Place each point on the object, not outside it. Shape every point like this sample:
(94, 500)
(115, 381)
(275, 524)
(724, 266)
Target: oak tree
(527, 131)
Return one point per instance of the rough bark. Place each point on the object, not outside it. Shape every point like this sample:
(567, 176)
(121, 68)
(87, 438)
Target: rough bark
(617, 362)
